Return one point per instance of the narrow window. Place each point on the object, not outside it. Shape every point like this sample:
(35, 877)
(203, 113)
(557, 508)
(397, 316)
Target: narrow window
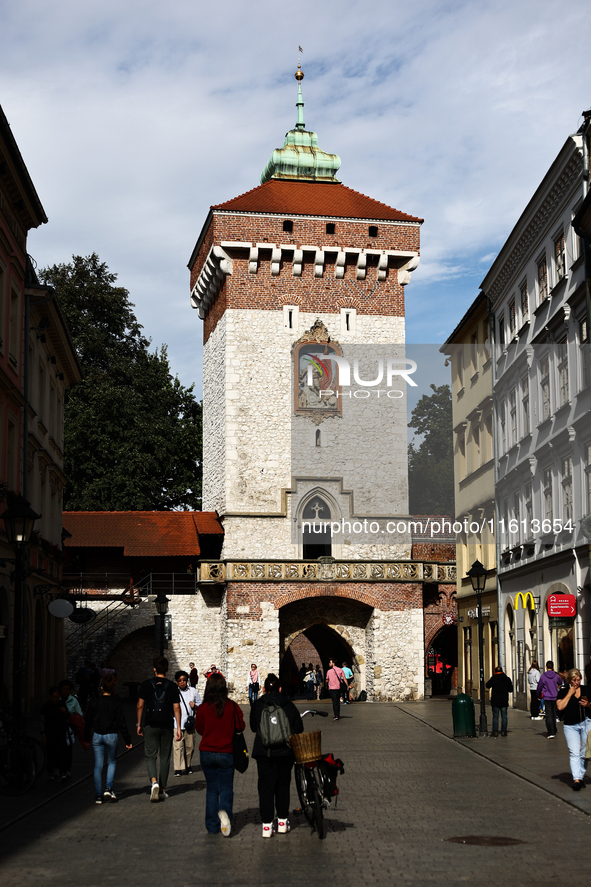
(503, 429)
(563, 371)
(373, 230)
(512, 317)
(330, 228)
(548, 494)
(347, 321)
(542, 280)
(513, 417)
(502, 332)
(290, 319)
(567, 487)
(585, 353)
(288, 225)
(318, 437)
(545, 387)
(559, 257)
(528, 511)
(525, 405)
(524, 301)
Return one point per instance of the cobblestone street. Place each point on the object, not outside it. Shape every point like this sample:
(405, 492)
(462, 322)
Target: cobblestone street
(407, 790)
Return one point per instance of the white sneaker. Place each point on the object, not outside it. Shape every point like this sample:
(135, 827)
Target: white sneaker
(268, 830)
(154, 793)
(225, 821)
(163, 796)
(282, 826)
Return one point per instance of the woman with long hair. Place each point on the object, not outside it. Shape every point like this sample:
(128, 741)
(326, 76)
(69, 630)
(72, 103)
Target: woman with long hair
(104, 718)
(216, 721)
(573, 702)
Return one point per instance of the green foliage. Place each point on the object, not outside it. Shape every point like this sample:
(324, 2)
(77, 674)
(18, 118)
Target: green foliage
(430, 464)
(133, 434)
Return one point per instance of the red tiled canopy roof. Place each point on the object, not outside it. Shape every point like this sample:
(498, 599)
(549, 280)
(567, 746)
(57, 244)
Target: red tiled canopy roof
(142, 533)
(313, 199)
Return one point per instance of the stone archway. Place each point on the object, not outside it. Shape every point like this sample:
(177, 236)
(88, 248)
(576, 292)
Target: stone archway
(339, 628)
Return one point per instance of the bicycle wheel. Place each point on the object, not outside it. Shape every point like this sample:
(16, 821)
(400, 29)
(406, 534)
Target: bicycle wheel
(37, 749)
(17, 770)
(317, 806)
(302, 787)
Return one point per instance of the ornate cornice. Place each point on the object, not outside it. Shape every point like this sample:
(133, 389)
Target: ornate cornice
(216, 572)
(551, 202)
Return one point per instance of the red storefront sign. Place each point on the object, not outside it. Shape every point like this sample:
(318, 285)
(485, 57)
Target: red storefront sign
(562, 605)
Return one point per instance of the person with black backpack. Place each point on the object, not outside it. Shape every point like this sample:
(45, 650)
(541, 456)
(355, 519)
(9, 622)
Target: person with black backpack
(161, 700)
(274, 718)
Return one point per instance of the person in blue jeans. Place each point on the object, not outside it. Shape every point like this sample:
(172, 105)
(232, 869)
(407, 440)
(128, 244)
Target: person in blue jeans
(104, 719)
(500, 686)
(573, 703)
(216, 721)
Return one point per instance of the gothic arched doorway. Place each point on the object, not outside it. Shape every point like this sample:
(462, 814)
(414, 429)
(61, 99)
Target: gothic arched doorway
(442, 660)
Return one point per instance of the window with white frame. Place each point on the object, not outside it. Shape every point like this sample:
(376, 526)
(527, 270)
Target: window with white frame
(502, 331)
(513, 417)
(585, 352)
(559, 257)
(567, 488)
(528, 510)
(545, 388)
(512, 317)
(542, 280)
(563, 371)
(524, 301)
(548, 494)
(525, 405)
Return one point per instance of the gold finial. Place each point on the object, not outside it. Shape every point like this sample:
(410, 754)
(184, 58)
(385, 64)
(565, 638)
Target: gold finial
(299, 74)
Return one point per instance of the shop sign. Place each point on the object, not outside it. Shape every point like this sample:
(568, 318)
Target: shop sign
(526, 600)
(555, 622)
(473, 613)
(562, 605)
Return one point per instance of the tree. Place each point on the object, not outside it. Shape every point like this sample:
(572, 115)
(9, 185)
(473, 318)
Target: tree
(430, 465)
(132, 432)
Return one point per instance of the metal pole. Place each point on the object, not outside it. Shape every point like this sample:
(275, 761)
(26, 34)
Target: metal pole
(161, 617)
(483, 728)
(17, 638)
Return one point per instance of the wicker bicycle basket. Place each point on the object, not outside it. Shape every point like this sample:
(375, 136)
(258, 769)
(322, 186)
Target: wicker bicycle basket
(307, 746)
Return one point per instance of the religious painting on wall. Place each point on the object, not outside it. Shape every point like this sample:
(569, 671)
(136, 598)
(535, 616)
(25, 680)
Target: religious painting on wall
(316, 382)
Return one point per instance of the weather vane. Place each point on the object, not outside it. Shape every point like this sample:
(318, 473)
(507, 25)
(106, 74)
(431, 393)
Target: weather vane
(299, 74)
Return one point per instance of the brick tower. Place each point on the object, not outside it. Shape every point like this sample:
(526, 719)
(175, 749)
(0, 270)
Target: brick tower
(289, 279)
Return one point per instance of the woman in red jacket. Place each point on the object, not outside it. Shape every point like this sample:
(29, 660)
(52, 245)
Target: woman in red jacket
(216, 720)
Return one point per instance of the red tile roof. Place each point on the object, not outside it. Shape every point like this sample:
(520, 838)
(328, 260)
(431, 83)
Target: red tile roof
(313, 199)
(142, 533)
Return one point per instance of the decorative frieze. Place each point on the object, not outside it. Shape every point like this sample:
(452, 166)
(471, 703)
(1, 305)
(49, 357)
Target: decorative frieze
(211, 572)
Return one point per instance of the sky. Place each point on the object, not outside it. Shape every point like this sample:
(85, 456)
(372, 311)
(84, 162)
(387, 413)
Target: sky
(134, 118)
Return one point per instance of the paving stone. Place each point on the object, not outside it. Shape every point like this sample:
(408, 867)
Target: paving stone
(406, 791)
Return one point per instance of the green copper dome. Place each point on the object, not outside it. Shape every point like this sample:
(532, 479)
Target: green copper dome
(300, 159)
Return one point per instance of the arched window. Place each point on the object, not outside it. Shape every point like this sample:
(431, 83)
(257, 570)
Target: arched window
(316, 535)
(373, 230)
(288, 225)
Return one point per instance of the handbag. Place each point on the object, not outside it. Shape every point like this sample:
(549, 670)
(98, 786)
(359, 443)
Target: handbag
(255, 686)
(588, 746)
(239, 749)
(190, 719)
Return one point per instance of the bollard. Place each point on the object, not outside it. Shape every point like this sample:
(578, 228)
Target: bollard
(462, 711)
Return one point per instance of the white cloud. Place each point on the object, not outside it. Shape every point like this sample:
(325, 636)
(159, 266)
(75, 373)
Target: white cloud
(134, 118)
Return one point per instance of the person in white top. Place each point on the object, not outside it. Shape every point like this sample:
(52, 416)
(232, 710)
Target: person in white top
(533, 676)
(184, 747)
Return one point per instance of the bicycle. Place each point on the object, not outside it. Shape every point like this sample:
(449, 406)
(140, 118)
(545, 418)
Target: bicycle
(310, 778)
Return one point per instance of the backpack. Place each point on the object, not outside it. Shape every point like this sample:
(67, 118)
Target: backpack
(160, 708)
(362, 696)
(274, 728)
(330, 769)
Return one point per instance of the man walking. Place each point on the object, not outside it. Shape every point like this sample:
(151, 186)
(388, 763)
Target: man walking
(193, 675)
(548, 687)
(500, 686)
(160, 697)
(334, 677)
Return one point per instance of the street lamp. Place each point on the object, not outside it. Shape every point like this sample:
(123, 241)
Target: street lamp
(161, 603)
(477, 575)
(18, 519)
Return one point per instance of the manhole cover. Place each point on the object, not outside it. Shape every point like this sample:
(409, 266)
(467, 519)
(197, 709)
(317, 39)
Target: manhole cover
(486, 840)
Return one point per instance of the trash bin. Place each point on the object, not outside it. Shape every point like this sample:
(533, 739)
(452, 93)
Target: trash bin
(462, 711)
